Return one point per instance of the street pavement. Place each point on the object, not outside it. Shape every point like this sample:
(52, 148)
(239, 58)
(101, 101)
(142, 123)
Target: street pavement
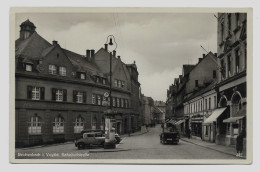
(145, 145)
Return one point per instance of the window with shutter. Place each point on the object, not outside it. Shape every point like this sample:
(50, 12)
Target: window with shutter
(42, 95)
(36, 93)
(74, 95)
(65, 95)
(84, 97)
(79, 97)
(29, 92)
(53, 93)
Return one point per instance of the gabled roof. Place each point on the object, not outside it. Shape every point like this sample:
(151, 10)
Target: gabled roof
(176, 81)
(31, 47)
(187, 69)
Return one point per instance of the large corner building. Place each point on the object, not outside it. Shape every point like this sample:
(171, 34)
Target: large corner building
(59, 93)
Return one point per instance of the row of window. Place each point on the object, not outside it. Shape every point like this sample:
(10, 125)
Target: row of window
(60, 70)
(229, 28)
(37, 93)
(116, 102)
(198, 106)
(101, 80)
(119, 83)
(35, 125)
(236, 61)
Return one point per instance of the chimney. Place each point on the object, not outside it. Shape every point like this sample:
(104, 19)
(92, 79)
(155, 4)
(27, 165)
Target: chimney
(92, 54)
(204, 55)
(114, 53)
(119, 57)
(88, 54)
(105, 47)
(200, 59)
(54, 42)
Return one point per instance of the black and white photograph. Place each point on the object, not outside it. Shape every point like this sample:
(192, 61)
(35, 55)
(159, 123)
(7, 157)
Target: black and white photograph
(131, 85)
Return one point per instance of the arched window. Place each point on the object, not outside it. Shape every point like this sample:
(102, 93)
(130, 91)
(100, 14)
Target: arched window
(236, 103)
(223, 102)
(35, 125)
(58, 125)
(94, 123)
(79, 125)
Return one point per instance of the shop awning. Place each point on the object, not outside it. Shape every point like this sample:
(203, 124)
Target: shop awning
(233, 119)
(179, 122)
(215, 114)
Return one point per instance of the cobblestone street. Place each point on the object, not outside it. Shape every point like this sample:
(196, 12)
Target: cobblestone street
(144, 146)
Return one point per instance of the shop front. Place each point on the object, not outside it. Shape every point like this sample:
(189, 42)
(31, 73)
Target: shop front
(196, 126)
(210, 125)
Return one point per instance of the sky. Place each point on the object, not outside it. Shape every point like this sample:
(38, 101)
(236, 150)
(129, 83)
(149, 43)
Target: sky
(160, 43)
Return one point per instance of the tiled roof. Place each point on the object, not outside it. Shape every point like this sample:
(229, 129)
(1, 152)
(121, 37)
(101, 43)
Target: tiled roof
(31, 47)
(80, 62)
(36, 47)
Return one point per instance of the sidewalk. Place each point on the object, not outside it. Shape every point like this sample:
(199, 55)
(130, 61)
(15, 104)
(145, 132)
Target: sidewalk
(142, 131)
(231, 150)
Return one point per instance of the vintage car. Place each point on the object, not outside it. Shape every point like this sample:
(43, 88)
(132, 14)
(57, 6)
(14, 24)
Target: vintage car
(169, 137)
(169, 134)
(90, 139)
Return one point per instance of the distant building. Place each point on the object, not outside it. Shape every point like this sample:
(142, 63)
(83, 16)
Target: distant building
(147, 112)
(162, 108)
(59, 93)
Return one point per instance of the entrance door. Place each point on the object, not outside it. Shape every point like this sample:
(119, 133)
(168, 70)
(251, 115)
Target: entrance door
(118, 127)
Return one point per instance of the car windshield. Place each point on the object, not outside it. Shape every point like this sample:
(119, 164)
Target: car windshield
(88, 135)
(99, 135)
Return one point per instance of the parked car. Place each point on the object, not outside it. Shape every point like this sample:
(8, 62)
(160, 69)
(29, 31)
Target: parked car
(118, 139)
(90, 139)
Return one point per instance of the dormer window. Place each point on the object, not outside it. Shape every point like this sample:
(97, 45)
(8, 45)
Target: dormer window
(104, 81)
(123, 84)
(28, 67)
(62, 71)
(82, 76)
(97, 79)
(52, 69)
(119, 83)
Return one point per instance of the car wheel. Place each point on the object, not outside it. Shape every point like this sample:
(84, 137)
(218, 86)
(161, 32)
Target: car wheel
(81, 146)
(164, 141)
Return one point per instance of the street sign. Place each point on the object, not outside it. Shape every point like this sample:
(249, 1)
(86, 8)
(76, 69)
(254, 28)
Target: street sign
(106, 94)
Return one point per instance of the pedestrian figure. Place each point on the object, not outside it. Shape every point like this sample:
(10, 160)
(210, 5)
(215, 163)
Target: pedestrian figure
(188, 133)
(129, 132)
(239, 145)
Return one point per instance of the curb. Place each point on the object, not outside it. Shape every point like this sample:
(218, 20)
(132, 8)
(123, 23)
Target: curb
(108, 150)
(209, 147)
(41, 146)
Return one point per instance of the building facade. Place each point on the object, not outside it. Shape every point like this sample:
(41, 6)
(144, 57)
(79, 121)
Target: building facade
(195, 105)
(232, 85)
(200, 109)
(162, 108)
(59, 93)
